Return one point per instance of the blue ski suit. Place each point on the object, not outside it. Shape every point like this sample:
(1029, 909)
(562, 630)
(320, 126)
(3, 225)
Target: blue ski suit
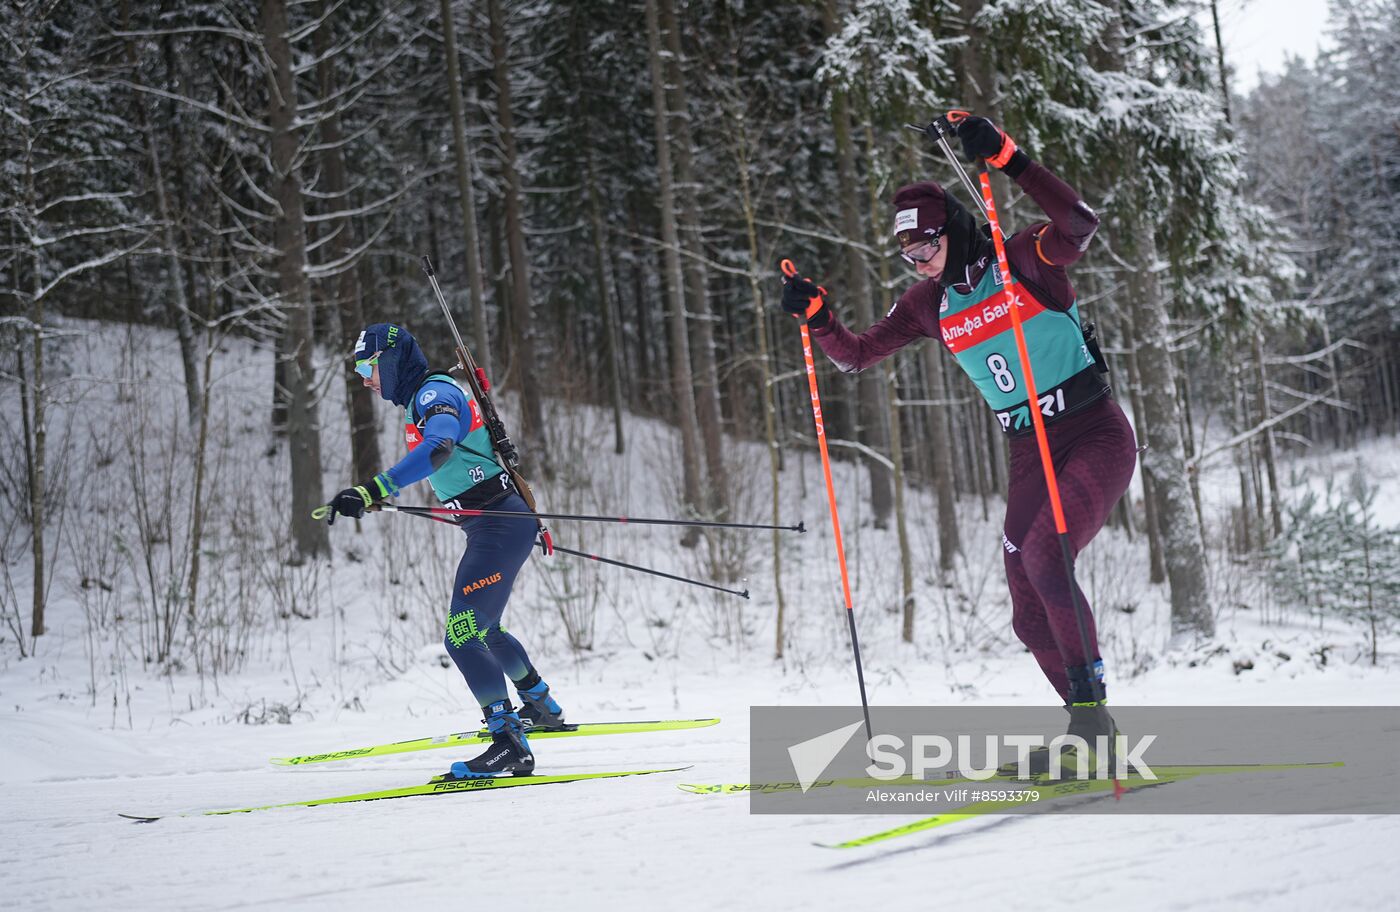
(450, 447)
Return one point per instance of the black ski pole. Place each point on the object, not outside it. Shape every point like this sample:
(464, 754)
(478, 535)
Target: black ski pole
(669, 576)
(560, 549)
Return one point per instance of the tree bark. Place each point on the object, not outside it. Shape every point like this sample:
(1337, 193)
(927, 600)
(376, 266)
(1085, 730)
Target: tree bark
(606, 301)
(872, 415)
(466, 193)
(177, 308)
(1164, 462)
(697, 300)
(765, 376)
(682, 382)
(1156, 564)
(532, 418)
(309, 537)
(364, 437)
(1267, 441)
(941, 444)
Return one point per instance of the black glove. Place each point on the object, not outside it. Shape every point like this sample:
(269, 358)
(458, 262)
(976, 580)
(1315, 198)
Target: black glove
(981, 139)
(797, 300)
(353, 502)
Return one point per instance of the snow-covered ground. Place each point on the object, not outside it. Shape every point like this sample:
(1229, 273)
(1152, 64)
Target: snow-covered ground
(340, 655)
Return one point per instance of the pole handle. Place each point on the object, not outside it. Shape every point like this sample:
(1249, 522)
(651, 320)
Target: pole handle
(941, 130)
(815, 302)
(428, 267)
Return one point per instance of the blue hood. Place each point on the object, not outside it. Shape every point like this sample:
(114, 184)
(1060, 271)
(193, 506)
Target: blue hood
(402, 365)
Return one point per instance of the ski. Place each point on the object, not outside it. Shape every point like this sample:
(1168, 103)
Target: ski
(1069, 788)
(481, 736)
(746, 788)
(438, 786)
(951, 778)
(1072, 788)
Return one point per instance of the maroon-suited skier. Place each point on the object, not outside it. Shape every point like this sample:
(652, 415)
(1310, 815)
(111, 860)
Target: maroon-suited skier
(960, 302)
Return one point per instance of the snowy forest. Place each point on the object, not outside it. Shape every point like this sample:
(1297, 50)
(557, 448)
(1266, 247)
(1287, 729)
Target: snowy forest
(608, 189)
(203, 204)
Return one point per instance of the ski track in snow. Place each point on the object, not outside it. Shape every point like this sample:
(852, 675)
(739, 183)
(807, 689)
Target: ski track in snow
(635, 843)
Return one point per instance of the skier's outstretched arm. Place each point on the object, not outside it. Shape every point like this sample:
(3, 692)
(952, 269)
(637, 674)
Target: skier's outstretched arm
(441, 429)
(853, 352)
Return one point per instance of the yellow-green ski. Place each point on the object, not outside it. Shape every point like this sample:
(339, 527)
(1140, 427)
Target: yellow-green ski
(951, 778)
(481, 736)
(1060, 789)
(436, 787)
(1070, 788)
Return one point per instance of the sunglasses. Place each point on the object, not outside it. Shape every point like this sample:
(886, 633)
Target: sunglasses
(922, 253)
(365, 368)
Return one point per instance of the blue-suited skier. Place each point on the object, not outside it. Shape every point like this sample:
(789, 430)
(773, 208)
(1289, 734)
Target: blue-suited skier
(450, 446)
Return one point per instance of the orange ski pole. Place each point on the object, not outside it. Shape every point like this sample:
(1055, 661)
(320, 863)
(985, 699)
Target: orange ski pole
(790, 271)
(939, 131)
(1033, 406)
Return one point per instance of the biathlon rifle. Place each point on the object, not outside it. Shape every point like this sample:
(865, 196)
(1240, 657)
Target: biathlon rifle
(506, 453)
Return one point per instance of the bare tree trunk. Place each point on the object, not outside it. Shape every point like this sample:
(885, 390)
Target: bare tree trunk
(177, 308)
(32, 403)
(1220, 61)
(1241, 461)
(1267, 443)
(532, 423)
(1164, 462)
(606, 300)
(1188, 434)
(765, 379)
(737, 127)
(466, 194)
(941, 445)
(1157, 566)
(364, 436)
(197, 511)
(303, 427)
(697, 299)
(681, 377)
(642, 307)
(872, 415)
(901, 524)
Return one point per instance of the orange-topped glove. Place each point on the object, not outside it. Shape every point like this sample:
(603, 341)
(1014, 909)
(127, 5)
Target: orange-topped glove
(982, 139)
(805, 298)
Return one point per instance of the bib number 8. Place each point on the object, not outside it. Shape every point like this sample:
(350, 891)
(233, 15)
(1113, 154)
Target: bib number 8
(1001, 373)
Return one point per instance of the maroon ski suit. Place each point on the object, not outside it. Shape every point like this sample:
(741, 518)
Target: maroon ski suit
(1093, 447)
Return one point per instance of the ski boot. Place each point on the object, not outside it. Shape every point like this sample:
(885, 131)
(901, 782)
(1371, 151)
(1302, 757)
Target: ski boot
(509, 753)
(1088, 719)
(538, 710)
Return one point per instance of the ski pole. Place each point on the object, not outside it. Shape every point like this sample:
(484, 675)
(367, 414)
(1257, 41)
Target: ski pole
(790, 270)
(435, 517)
(623, 520)
(669, 576)
(938, 131)
(941, 127)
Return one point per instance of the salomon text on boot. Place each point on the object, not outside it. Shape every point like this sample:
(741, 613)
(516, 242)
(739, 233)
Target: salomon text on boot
(507, 755)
